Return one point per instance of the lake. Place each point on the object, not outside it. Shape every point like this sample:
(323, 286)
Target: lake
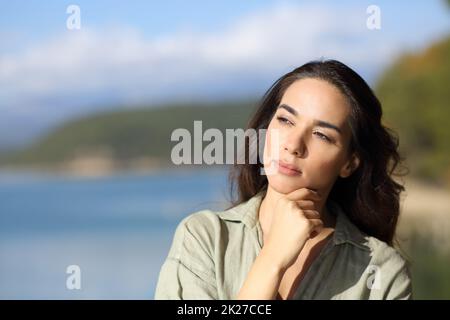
(117, 229)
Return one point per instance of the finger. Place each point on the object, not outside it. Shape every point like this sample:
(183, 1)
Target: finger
(317, 224)
(306, 204)
(311, 214)
(316, 231)
(303, 194)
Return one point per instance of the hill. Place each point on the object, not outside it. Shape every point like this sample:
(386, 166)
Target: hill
(125, 138)
(415, 95)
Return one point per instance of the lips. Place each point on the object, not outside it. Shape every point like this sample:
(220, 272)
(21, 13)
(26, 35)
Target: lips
(288, 168)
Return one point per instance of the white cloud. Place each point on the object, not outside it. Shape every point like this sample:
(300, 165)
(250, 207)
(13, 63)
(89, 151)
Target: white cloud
(90, 67)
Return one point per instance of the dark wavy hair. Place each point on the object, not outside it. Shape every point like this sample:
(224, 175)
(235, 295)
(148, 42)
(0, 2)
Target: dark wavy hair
(369, 196)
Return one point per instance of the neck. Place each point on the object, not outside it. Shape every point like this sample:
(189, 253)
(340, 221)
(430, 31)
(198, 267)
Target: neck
(269, 202)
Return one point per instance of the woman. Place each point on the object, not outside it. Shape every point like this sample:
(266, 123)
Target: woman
(320, 223)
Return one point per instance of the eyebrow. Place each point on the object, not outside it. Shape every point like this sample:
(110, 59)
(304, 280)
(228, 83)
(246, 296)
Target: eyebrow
(319, 123)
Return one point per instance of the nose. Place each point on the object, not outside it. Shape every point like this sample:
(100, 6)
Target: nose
(295, 145)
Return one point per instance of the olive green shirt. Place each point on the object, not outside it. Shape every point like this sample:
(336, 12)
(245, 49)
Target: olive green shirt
(212, 252)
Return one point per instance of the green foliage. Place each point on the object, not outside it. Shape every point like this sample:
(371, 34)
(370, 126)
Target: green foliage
(415, 96)
(430, 268)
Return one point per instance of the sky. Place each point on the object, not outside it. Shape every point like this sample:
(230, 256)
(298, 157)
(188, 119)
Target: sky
(131, 53)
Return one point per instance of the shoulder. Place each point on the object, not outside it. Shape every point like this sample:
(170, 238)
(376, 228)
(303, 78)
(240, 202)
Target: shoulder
(205, 229)
(391, 269)
(384, 267)
(379, 252)
(206, 225)
(200, 222)
(197, 229)
(384, 254)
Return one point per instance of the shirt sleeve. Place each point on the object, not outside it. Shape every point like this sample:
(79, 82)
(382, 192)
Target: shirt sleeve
(392, 277)
(188, 271)
(400, 287)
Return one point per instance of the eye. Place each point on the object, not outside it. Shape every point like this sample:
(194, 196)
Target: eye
(284, 121)
(322, 136)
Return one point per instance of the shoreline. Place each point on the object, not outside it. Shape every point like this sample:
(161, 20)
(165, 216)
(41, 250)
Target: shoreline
(104, 170)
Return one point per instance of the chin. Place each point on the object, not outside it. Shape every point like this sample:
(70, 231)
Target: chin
(284, 185)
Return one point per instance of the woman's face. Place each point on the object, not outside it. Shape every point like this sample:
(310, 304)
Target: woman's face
(310, 126)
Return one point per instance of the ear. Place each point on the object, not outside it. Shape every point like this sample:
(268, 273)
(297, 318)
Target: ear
(351, 165)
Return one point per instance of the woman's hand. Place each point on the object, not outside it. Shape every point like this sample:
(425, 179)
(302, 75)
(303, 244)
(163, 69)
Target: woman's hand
(294, 221)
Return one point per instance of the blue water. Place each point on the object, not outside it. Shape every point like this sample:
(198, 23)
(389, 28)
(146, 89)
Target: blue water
(117, 229)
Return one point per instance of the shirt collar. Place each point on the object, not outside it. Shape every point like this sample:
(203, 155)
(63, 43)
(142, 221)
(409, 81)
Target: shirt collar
(345, 231)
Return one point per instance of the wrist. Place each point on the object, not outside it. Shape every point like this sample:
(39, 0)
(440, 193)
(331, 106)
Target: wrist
(271, 263)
